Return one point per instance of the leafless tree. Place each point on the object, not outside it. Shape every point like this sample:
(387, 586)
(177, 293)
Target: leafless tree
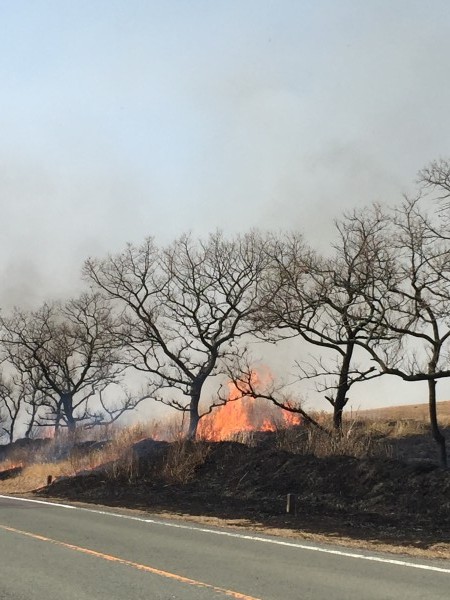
(73, 348)
(435, 178)
(328, 302)
(11, 404)
(185, 306)
(417, 306)
(20, 401)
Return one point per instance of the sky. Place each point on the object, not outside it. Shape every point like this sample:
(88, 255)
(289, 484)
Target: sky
(121, 119)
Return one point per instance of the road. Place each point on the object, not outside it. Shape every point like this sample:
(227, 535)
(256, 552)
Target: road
(54, 551)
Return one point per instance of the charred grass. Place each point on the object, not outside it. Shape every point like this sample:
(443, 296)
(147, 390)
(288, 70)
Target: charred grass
(373, 485)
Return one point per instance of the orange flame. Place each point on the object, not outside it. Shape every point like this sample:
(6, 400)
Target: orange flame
(291, 419)
(245, 414)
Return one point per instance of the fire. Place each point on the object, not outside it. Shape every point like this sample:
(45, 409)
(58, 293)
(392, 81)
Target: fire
(246, 414)
(291, 419)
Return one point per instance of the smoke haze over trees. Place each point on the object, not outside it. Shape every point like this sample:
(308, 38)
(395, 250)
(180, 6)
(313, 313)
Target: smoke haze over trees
(140, 120)
(185, 308)
(63, 356)
(194, 310)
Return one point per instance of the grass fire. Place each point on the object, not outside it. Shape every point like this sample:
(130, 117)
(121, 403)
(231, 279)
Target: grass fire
(244, 470)
(243, 414)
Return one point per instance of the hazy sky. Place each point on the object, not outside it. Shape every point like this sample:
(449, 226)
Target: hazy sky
(120, 119)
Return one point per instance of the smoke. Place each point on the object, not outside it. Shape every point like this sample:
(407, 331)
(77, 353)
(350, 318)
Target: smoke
(143, 120)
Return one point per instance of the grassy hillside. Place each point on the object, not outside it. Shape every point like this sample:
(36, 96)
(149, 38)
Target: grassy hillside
(379, 482)
(416, 412)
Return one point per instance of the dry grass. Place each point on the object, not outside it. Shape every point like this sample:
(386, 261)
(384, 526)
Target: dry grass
(409, 412)
(395, 429)
(354, 441)
(21, 456)
(183, 459)
(35, 476)
(366, 433)
(116, 454)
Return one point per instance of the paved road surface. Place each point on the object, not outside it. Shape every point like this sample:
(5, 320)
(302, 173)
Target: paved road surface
(58, 552)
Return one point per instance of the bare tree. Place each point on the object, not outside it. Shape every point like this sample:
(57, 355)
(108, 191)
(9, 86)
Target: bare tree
(10, 407)
(73, 348)
(435, 178)
(416, 308)
(20, 401)
(185, 307)
(329, 302)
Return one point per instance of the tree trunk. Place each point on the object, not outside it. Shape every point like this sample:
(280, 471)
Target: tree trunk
(31, 421)
(34, 409)
(193, 424)
(58, 417)
(194, 417)
(338, 407)
(67, 403)
(342, 390)
(438, 437)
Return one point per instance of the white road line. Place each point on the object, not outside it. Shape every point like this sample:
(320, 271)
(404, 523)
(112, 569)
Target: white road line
(241, 536)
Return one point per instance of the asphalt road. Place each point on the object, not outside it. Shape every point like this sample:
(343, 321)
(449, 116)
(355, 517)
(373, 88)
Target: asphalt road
(54, 552)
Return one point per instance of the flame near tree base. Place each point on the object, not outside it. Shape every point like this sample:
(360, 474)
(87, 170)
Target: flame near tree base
(246, 414)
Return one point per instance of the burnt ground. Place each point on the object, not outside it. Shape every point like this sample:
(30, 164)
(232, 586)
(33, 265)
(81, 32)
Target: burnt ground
(380, 500)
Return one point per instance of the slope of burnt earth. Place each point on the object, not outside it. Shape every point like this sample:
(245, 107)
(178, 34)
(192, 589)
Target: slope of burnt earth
(382, 499)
